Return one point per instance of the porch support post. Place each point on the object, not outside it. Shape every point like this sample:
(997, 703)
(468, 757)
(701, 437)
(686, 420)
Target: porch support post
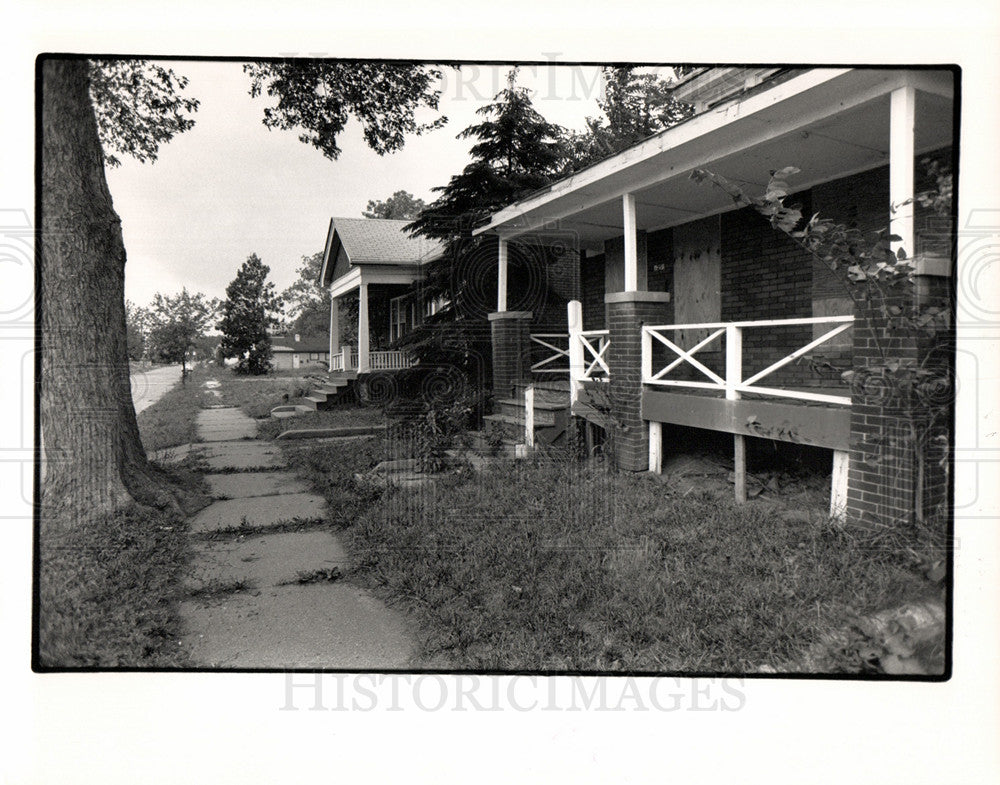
(334, 329)
(502, 275)
(655, 447)
(631, 243)
(902, 119)
(574, 321)
(363, 328)
(734, 376)
(529, 416)
(838, 484)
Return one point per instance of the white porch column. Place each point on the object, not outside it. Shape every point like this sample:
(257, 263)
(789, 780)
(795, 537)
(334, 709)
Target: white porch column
(838, 484)
(902, 117)
(502, 275)
(362, 328)
(574, 322)
(631, 244)
(334, 329)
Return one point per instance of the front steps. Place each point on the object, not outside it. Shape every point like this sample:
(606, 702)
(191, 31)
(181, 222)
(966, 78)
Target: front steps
(325, 392)
(551, 413)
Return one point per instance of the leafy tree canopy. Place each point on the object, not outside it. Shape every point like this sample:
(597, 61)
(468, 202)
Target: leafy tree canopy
(401, 205)
(318, 97)
(635, 106)
(248, 315)
(177, 324)
(139, 106)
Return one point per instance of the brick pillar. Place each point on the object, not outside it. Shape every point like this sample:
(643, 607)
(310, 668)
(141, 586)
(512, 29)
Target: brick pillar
(511, 353)
(627, 312)
(882, 478)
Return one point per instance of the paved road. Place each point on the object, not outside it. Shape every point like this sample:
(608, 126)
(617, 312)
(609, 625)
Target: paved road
(150, 385)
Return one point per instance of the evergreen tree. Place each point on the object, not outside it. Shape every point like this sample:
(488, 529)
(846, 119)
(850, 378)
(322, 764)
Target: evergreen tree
(249, 312)
(516, 152)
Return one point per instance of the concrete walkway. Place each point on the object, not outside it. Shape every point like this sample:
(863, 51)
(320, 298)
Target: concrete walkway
(288, 614)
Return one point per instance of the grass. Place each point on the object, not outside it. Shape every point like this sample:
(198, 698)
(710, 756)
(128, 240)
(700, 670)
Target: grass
(108, 592)
(257, 395)
(172, 419)
(552, 565)
(218, 589)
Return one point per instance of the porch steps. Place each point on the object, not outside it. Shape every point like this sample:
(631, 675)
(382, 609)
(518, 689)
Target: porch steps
(551, 413)
(325, 391)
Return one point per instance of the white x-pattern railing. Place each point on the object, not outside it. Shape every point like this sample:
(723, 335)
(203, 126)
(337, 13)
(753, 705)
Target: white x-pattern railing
(595, 359)
(734, 384)
(551, 363)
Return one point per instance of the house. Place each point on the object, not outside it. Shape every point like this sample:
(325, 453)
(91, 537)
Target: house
(297, 351)
(375, 260)
(692, 313)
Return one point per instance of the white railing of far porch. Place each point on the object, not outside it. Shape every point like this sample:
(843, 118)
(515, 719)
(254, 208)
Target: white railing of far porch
(734, 384)
(337, 362)
(389, 360)
(595, 361)
(552, 362)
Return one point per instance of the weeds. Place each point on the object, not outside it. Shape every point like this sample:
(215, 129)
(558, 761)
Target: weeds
(326, 575)
(215, 590)
(108, 591)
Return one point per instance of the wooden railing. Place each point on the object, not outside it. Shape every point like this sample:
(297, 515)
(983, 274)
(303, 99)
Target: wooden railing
(337, 362)
(734, 384)
(389, 360)
(552, 363)
(595, 360)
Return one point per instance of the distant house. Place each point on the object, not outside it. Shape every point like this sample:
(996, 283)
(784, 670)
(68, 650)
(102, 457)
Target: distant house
(298, 351)
(378, 260)
(690, 313)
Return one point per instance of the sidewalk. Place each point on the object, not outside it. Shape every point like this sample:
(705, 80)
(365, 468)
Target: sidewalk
(278, 619)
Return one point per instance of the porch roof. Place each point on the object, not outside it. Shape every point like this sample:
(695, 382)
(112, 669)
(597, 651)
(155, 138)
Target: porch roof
(828, 122)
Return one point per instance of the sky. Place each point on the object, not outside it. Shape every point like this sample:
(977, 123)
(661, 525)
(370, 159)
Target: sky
(230, 187)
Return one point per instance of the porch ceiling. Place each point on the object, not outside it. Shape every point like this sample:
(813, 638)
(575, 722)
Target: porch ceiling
(808, 130)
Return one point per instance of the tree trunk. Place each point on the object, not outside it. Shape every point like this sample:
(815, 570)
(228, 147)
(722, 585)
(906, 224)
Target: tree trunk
(94, 459)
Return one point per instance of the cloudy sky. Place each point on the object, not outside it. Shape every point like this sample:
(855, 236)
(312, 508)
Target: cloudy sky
(230, 187)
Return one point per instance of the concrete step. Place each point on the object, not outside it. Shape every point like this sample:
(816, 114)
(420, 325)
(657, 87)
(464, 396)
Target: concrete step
(542, 419)
(329, 388)
(540, 404)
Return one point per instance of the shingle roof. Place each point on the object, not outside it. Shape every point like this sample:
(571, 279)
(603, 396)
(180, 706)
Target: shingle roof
(306, 343)
(382, 240)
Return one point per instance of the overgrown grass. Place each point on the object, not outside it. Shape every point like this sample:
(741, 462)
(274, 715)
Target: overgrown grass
(108, 591)
(554, 565)
(333, 418)
(172, 419)
(257, 395)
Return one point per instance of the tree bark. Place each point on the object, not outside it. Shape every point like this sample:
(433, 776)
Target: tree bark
(94, 459)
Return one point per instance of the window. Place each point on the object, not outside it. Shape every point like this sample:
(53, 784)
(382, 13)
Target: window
(397, 318)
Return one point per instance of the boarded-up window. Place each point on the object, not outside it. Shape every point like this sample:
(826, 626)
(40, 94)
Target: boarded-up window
(697, 278)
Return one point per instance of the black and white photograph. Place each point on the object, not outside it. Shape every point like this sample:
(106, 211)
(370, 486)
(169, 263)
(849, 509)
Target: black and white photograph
(372, 389)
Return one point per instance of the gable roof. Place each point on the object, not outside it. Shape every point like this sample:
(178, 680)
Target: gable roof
(381, 241)
(375, 241)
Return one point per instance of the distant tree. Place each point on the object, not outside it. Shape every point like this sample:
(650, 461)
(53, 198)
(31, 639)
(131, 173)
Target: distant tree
(401, 205)
(137, 324)
(635, 106)
(248, 314)
(178, 323)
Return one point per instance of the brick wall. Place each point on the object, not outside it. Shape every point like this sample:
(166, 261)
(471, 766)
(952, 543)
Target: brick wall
(511, 363)
(592, 292)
